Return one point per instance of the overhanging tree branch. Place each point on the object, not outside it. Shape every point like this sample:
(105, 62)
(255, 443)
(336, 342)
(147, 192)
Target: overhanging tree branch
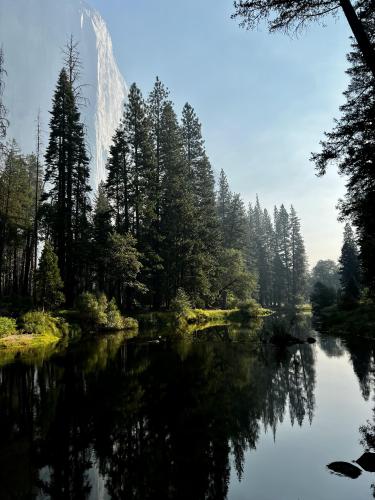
(360, 34)
(291, 16)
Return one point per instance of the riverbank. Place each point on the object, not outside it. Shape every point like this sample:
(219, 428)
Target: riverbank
(358, 321)
(201, 316)
(40, 333)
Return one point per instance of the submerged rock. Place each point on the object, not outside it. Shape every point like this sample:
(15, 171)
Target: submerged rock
(345, 469)
(285, 340)
(367, 461)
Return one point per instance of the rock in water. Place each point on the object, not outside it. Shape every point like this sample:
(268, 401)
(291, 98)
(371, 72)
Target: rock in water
(33, 33)
(311, 340)
(345, 469)
(285, 340)
(367, 461)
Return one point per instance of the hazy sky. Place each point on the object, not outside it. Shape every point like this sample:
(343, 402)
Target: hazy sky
(264, 100)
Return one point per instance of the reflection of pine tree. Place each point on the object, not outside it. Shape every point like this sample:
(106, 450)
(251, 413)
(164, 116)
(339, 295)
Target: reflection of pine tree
(362, 359)
(212, 395)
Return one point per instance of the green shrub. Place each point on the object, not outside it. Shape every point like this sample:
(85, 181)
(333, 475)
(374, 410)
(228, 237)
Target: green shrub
(130, 324)
(114, 319)
(249, 309)
(42, 323)
(181, 303)
(100, 313)
(8, 326)
(93, 309)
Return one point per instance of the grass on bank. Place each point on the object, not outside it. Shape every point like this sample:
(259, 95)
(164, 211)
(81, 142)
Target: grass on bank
(35, 330)
(187, 316)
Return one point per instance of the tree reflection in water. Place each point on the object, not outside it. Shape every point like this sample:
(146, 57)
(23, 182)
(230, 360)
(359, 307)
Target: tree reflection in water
(364, 369)
(361, 352)
(147, 420)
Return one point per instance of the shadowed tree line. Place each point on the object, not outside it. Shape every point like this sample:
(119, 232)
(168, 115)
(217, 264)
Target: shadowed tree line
(340, 283)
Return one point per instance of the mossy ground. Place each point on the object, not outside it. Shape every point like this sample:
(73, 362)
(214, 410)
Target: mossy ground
(27, 347)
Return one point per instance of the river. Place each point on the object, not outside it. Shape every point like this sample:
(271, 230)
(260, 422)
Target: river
(209, 414)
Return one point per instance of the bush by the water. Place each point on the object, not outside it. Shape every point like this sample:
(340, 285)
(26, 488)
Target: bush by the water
(101, 313)
(8, 326)
(93, 308)
(42, 323)
(181, 303)
(249, 309)
(130, 324)
(115, 321)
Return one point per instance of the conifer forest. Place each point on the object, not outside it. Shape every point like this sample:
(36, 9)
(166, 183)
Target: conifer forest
(167, 331)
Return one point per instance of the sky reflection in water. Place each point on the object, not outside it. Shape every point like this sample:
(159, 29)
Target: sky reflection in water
(214, 414)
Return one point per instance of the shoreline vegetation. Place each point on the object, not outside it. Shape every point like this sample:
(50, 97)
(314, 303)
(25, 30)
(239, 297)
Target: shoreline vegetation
(39, 332)
(358, 321)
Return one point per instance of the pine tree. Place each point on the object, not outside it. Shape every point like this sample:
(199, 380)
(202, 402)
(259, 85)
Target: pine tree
(141, 162)
(263, 235)
(102, 229)
(351, 145)
(38, 196)
(298, 260)
(268, 255)
(153, 269)
(73, 66)
(67, 174)
(251, 246)
(349, 269)
(157, 100)
(49, 284)
(177, 211)
(124, 269)
(118, 184)
(236, 230)
(145, 187)
(17, 197)
(224, 198)
(282, 257)
(3, 111)
(206, 221)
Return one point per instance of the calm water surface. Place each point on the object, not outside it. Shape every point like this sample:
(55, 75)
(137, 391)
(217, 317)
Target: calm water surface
(209, 415)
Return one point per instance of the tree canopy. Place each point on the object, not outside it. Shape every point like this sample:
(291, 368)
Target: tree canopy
(294, 15)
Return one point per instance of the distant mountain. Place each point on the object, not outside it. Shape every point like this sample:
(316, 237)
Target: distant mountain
(33, 33)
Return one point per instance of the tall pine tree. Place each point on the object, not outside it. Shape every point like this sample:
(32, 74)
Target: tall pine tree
(224, 199)
(206, 231)
(102, 229)
(178, 211)
(349, 269)
(298, 260)
(66, 178)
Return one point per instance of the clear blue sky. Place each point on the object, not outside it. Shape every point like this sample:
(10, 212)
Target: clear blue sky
(264, 100)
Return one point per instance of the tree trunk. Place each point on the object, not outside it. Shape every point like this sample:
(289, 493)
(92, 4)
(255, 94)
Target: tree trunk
(360, 34)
